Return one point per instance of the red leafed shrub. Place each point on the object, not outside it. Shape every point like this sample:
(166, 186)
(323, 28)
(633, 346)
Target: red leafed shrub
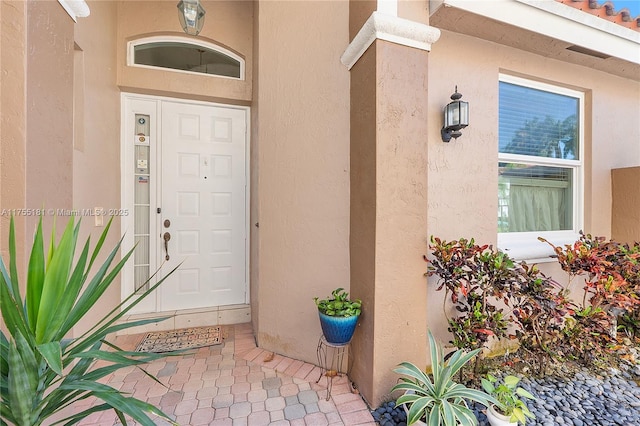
(611, 273)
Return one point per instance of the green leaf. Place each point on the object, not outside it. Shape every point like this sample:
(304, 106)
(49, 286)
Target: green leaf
(448, 414)
(417, 409)
(511, 381)
(524, 393)
(96, 288)
(35, 277)
(433, 419)
(518, 415)
(29, 361)
(13, 269)
(21, 387)
(9, 307)
(55, 284)
(52, 354)
(75, 418)
(487, 386)
(59, 320)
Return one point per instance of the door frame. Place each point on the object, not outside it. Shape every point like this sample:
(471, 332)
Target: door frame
(133, 103)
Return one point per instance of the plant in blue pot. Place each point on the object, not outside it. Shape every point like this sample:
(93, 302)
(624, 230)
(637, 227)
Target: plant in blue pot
(338, 316)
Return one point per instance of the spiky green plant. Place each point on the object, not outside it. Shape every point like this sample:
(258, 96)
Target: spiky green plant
(439, 400)
(41, 371)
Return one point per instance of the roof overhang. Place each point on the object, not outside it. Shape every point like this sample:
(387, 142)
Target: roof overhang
(547, 28)
(75, 8)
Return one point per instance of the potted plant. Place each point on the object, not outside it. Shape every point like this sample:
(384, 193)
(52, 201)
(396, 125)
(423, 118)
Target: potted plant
(338, 316)
(42, 372)
(436, 399)
(510, 408)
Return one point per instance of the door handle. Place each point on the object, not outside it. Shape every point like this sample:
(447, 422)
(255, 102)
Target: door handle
(166, 237)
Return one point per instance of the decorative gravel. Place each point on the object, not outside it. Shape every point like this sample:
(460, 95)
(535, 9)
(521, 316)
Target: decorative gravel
(585, 399)
(389, 415)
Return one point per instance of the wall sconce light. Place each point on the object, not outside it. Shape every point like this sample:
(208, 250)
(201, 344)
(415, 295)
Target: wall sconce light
(456, 117)
(191, 16)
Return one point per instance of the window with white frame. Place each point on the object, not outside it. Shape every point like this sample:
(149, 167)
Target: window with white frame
(540, 165)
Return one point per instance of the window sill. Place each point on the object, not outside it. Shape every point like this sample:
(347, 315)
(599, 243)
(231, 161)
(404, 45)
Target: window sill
(526, 246)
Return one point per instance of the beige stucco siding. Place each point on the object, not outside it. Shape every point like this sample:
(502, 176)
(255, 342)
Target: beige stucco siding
(13, 48)
(37, 132)
(96, 156)
(49, 147)
(303, 200)
(463, 173)
(227, 23)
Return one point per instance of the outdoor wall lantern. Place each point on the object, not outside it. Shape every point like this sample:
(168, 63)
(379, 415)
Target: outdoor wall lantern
(456, 117)
(191, 16)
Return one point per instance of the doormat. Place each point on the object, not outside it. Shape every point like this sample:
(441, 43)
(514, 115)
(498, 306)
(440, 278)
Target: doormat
(186, 338)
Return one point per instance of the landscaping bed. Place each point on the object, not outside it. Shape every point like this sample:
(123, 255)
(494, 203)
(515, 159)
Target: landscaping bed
(569, 394)
(577, 360)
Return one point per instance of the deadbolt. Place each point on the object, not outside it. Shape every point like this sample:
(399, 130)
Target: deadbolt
(167, 223)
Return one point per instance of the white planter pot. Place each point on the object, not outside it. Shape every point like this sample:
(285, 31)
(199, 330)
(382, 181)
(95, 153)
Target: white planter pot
(497, 419)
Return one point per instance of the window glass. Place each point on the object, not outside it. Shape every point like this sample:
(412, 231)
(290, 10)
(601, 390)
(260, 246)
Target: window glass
(539, 158)
(534, 198)
(538, 123)
(186, 57)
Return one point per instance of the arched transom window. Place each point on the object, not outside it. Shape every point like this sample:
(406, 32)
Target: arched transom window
(184, 55)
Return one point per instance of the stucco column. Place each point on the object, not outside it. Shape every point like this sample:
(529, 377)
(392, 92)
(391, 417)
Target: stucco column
(13, 48)
(388, 197)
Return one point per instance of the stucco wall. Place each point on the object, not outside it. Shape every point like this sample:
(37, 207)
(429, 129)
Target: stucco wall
(41, 168)
(227, 23)
(37, 132)
(96, 157)
(303, 137)
(49, 147)
(362, 235)
(463, 173)
(13, 51)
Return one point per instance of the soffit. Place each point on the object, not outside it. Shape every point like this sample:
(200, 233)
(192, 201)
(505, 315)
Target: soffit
(463, 21)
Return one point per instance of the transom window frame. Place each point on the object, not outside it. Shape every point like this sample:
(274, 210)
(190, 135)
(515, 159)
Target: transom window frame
(131, 45)
(525, 245)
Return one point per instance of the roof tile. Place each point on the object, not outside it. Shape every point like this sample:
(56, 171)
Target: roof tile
(606, 10)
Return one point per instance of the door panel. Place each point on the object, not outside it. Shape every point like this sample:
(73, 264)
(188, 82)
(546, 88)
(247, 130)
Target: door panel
(203, 195)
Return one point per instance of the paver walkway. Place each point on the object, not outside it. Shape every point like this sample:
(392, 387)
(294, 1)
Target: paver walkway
(236, 384)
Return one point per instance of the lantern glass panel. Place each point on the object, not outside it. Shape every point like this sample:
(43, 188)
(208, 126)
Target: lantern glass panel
(464, 114)
(451, 115)
(191, 16)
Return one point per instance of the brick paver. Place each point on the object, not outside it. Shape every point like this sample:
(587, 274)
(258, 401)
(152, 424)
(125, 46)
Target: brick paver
(236, 384)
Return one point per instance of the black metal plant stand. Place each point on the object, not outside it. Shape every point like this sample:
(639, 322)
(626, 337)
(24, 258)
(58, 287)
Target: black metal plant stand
(330, 364)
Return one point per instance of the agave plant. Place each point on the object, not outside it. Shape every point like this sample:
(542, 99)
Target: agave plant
(41, 371)
(438, 400)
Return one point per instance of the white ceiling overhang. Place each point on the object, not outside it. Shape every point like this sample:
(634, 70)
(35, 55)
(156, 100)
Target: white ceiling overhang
(75, 8)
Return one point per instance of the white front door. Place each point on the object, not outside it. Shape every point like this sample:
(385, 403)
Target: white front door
(202, 201)
(185, 177)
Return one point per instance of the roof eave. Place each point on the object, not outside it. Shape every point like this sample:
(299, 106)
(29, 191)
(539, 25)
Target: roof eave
(556, 20)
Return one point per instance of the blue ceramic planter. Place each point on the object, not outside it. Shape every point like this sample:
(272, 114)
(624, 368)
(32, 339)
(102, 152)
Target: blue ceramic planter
(338, 330)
